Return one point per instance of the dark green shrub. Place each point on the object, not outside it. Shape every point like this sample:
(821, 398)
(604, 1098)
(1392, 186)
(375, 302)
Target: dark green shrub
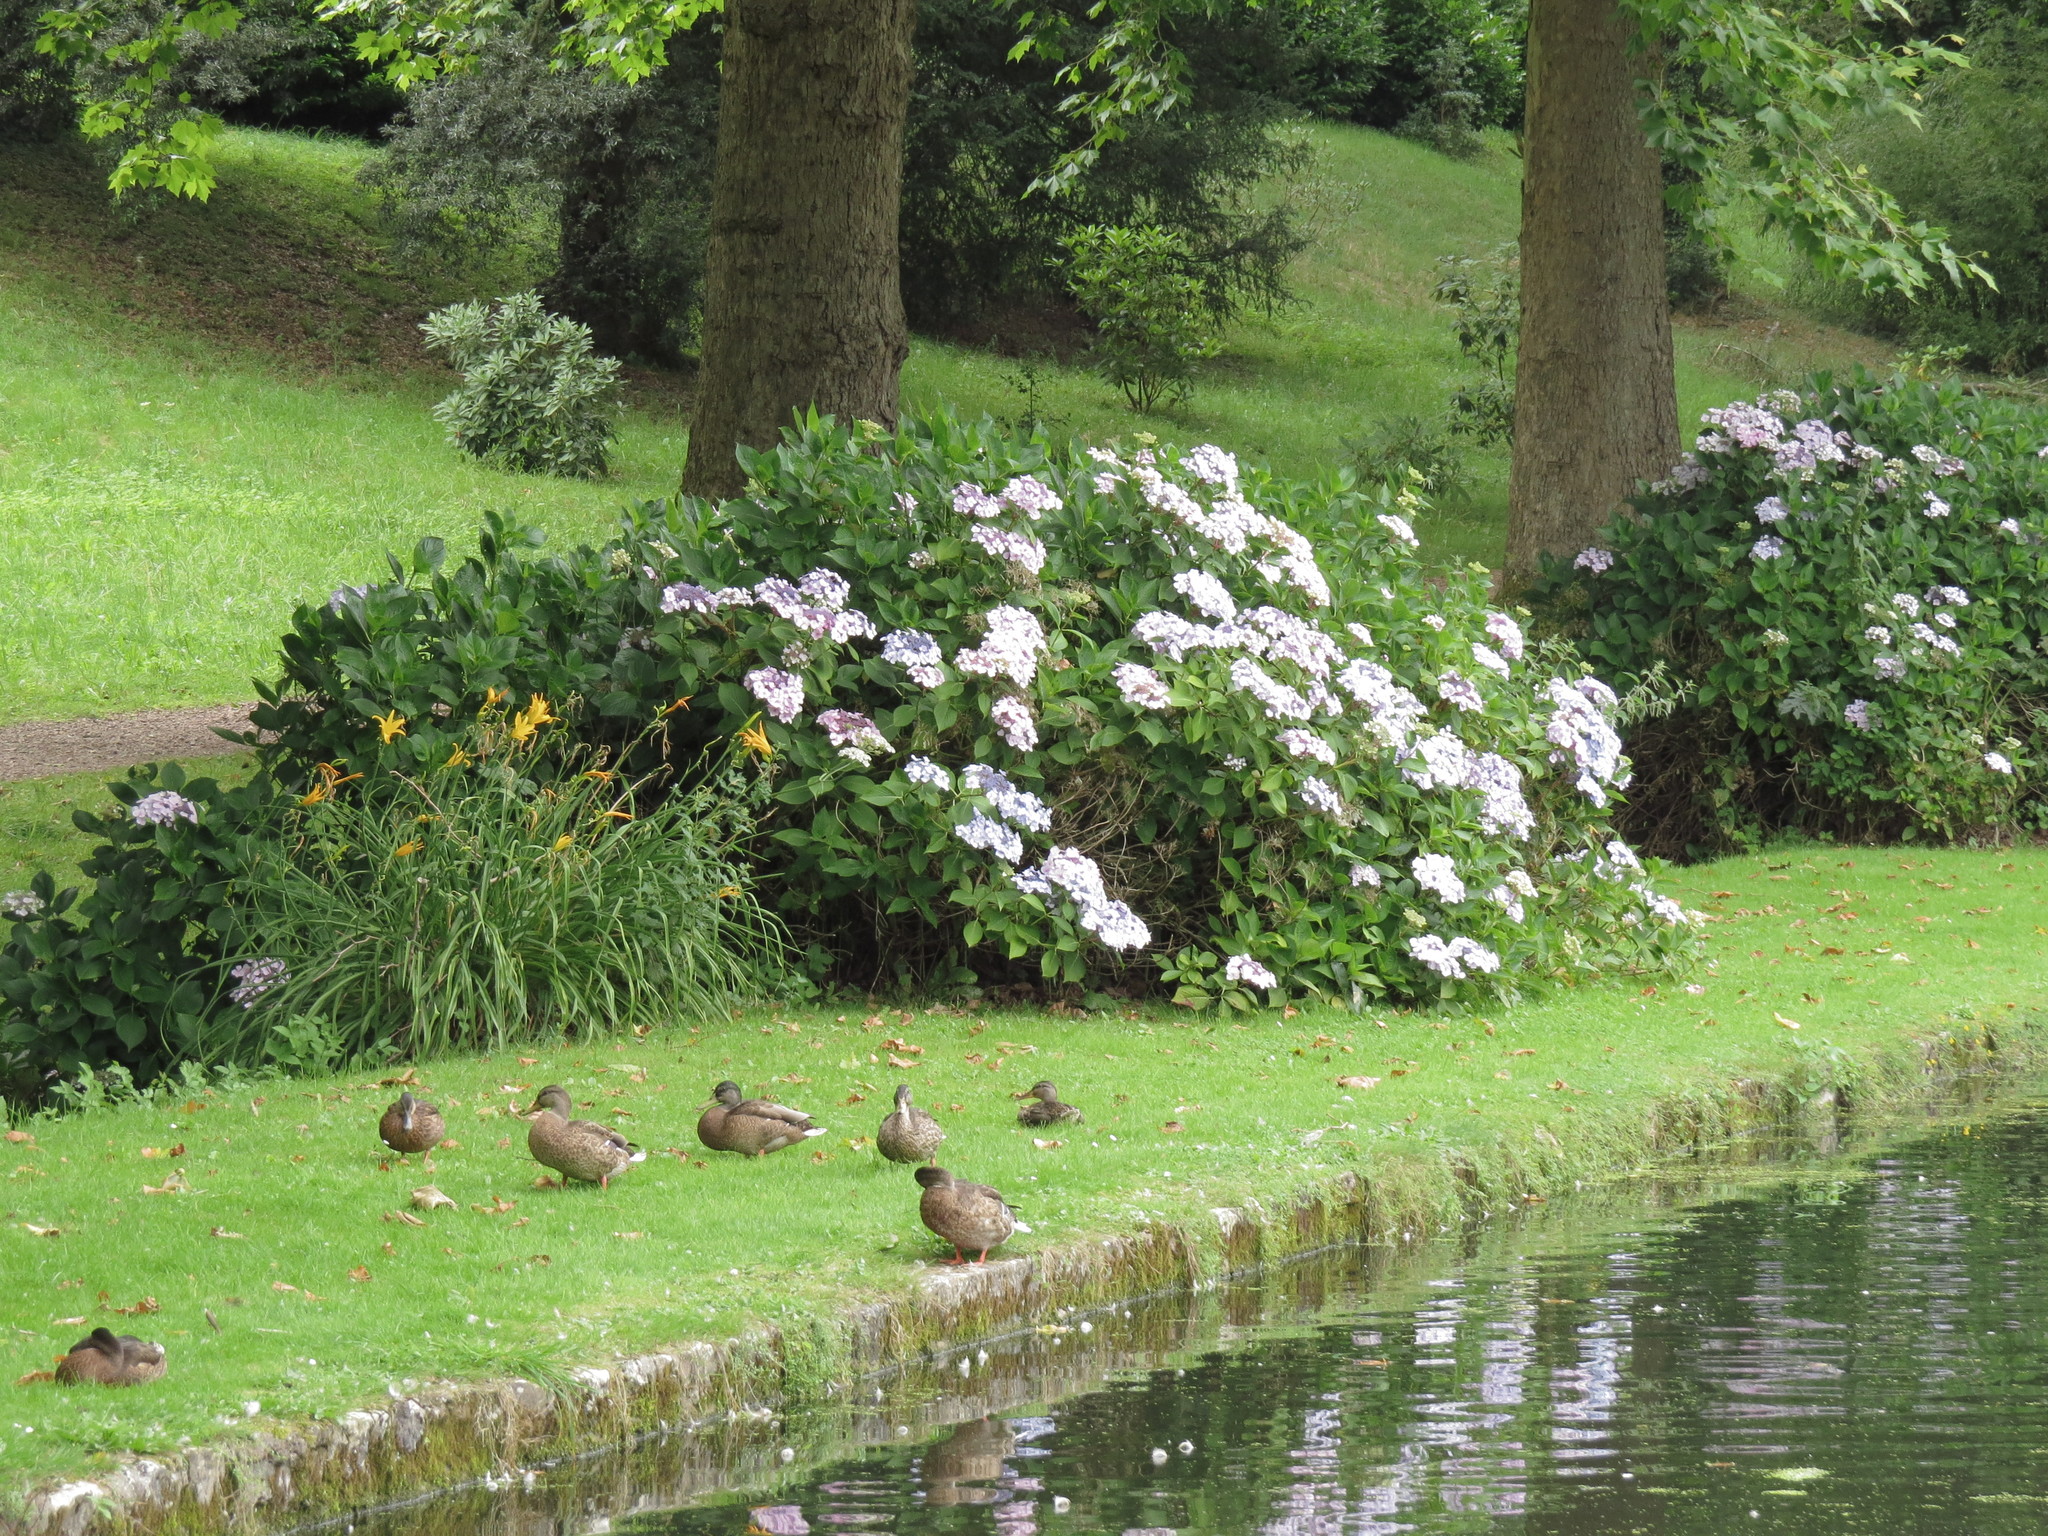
(1852, 587)
(534, 397)
(1418, 34)
(943, 643)
(1484, 295)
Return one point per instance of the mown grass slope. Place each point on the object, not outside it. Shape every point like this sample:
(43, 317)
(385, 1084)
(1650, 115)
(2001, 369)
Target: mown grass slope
(274, 1205)
(210, 412)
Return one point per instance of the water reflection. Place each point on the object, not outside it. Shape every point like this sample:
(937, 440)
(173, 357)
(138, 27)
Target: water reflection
(1856, 1348)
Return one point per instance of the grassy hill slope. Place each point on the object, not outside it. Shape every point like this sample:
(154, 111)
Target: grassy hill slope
(211, 412)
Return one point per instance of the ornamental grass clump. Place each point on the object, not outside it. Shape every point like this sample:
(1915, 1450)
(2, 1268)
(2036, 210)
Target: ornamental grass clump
(1133, 719)
(1850, 585)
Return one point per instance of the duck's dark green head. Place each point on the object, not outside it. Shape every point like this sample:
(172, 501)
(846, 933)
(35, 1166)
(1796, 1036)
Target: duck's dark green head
(932, 1178)
(553, 1097)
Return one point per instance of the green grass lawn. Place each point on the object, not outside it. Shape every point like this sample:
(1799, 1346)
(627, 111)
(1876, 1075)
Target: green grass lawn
(283, 1215)
(211, 412)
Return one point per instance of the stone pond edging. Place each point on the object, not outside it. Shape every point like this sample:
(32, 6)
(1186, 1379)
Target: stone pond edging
(449, 1432)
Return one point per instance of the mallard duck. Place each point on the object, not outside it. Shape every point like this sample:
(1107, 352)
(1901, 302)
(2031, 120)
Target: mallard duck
(909, 1135)
(965, 1215)
(108, 1359)
(753, 1126)
(576, 1149)
(1045, 1107)
(411, 1125)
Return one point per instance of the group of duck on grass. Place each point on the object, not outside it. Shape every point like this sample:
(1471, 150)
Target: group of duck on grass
(970, 1217)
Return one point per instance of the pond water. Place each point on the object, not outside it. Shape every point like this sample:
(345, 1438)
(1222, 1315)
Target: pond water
(1852, 1344)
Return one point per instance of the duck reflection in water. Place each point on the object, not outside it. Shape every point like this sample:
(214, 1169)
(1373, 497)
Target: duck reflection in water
(967, 1468)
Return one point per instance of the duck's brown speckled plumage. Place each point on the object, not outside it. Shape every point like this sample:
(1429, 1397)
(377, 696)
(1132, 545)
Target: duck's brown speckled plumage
(969, 1216)
(411, 1125)
(576, 1149)
(1045, 1107)
(755, 1127)
(104, 1358)
(909, 1134)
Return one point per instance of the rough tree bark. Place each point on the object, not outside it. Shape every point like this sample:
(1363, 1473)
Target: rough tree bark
(1596, 405)
(802, 304)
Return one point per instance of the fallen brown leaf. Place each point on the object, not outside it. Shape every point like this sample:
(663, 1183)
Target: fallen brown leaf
(19, 1136)
(793, 1077)
(529, 1061)
(428, 1198)
(1357, 1082)
(1044, 1145)
(544, 1182)
(450, 1145)
(67, 1322)
(1172, 1128)
(360, 1273)
(223, 1232)
(499, 1205)
(405, 1216)
(173, 1184)
(821, 1156)
(1527, 1050)
(854, 1098)
(279, 1285)
(1783, 1022)
(405, 1079)
(35, 1231)
(902, 1061)
(628, 1236)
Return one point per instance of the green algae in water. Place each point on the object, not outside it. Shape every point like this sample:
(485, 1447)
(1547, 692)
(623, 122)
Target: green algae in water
(1855, 1348)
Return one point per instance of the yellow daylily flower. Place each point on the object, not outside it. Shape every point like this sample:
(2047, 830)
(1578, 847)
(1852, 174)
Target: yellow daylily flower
(755, 740)
(331, 778)
(390, 726)
(727, 892)
(531, 719)
(407, 850)
(493, 697)
(682, 703)
(564, 841)
(458, 758)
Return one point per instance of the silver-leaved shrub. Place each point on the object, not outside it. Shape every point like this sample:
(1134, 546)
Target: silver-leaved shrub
(1850, 584)
(1124, 719)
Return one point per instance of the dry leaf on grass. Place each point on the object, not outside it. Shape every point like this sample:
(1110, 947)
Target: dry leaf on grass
(1527, 1050)
(1358, 1082)
(903, 1061)
(35, 1231)
(544, 1182)
(428, 1198)
(1783, 1022)
(67, 1322)
(1044, 1145)
(222, 1232)
(279, 1285)
(628, 1237)
(177, 1151)
(853, 1098)
(499, 1206)
(405, 1216)
(1173, 1128)
(174, 1184)
(904, 1046)
(360, 1273)
(405, 1079)
(19, 1136)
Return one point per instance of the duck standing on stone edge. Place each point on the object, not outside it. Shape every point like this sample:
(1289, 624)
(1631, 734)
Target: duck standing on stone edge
(753, 1126)
(965, 1215)
(1045, 1107)
(909, 1135)
(107, 1359)
(411, 1125)
(576, 1149)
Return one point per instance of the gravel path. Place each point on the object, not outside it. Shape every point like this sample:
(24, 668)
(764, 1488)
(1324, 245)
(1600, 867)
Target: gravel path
(41, 749)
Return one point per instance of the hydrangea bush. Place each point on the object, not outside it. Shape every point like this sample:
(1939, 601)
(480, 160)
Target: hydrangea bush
(1118, 719)
(1851, 584)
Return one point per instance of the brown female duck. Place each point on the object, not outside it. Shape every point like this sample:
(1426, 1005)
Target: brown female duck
(576, 1149)
(411, 1125)
(1045, 1107)
(965, 1215)
(107, 1359)
(753, 1126)
(909, 1135)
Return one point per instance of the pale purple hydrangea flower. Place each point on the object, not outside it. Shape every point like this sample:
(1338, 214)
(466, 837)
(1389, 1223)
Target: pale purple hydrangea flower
(1140, 686)
(1459, 691)
(1235, 763)
(920, 560)
(1998, 762)
(1907, 604)
(1399, 528)
(1945, 620)
(846, 728)
(1287, 638)
(1857, 713)
(1017, 548)
(1319, 796)
(1506, 634)
(1490, 659)
(1502, 810)
(824, 589)
(1811, 443)
(1771, 510)
(1877, 634)
(1211, 465)
(1300, 743)
(1435, 621)
(917, 653)
(1073, 872)
(1206, 594)
(970, 500)
(1365, 874)
(1596, 560)
(1014, 722)
(1948, 597)
(1445, 762)
(1580, 728)
(1508, 901)
(1616, 861)
(990, 836)
(1031, 496)
(1769, 547)
(1017, 806)
(338, 599)
(1663, 908)
(162, 808)
(1453, 960)
(253, 978)
(1746, 425)
(1889, 669)
(1935, 507)
(1278, 700)
(781, 692)
(1247, 971)
(922, 770)
(905, 503)
(851, 625)
(1171, 635)
(21, 904)
(1437, 873)
(688, 597)
(1010, 648)
(2009, 526)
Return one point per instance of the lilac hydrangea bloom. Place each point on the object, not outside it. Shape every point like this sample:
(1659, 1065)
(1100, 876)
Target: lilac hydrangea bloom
(1365, 874)
(1030, 496)
(1771, 510)
(1998, 762)
(1769, 547)
(1889, 669)
(781, 692)
(1452, 959)
(1140, 686)
(1506, 634)
(162, 808)
(1460, 691)
(1300, 743)
(917, 653)
(253, 978)
(1319, 796)
(1857, 713)
(1014, 722)
(1244, 969)
(1437, 873)
(1017, 548)
(991, 836)
(1010, 648)
(1596, 560)
(1208, 595)
(1935, 507)
(21, 904)
(688, 597)
(846, 728)
(922, 770)
(971, 500)
(1211, 465)
(1279, 701)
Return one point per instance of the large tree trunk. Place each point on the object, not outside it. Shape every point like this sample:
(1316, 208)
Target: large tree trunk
(802, 304)
(1596, 407)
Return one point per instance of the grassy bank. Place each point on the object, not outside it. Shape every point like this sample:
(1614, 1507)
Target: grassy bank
(211, 412)
(273, 1206)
